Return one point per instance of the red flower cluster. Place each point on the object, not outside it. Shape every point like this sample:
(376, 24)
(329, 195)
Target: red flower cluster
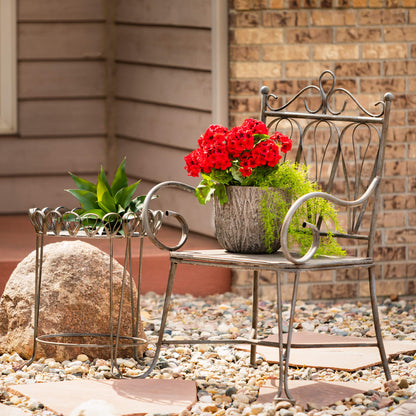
(247, 146)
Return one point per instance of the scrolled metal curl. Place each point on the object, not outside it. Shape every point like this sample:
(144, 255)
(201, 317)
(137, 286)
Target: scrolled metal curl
(147, 222)
(315, 231)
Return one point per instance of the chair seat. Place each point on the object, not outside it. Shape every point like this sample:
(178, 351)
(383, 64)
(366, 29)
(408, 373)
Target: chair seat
(275, 261)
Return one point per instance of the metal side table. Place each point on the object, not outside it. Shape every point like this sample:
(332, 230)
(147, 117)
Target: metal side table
(61, 222)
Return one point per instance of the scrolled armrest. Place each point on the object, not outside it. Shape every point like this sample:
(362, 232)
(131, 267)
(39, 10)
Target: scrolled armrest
(146, 215)
(315, 231)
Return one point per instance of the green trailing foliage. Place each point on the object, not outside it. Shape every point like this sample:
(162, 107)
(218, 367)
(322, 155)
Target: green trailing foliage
(102, 198)
(293, 180)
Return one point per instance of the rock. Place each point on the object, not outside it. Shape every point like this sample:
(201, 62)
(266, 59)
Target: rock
(74, 298)
(283, 405)
(286, 412)
(211, 408)
(230, 391)
(384, 402)
(403, 383)
(391, 386)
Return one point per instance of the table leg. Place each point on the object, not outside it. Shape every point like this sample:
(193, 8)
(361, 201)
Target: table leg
(127, 258)
(139, 288)
(38, 280)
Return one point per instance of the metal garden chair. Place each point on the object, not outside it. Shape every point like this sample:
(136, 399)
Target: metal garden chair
(343, 145)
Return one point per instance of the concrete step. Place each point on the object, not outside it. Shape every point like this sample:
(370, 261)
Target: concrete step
(18, 239)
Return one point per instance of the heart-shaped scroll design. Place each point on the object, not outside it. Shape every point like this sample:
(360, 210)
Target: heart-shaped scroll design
(37, 218)
(53, 220)
(112, 223)
(71, 222)
(157, 221)
(91, 224)
(130, 222)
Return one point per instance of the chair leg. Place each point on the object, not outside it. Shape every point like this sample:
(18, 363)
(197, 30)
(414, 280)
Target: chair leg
(377, 326)
(284, 368)
(254, 316)
(289, 335)
(280, 334)
(166, 304)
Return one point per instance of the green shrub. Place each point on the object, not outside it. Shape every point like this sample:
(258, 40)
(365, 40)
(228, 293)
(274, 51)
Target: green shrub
(294, 180)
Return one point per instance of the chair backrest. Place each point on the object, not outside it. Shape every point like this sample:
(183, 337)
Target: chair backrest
(340, 141)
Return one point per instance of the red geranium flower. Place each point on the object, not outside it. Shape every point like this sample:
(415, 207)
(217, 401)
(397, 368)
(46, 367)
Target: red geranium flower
(255, 126)
(242, 149)
(285, 142)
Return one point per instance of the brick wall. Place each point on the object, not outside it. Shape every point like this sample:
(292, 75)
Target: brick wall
(370, 45)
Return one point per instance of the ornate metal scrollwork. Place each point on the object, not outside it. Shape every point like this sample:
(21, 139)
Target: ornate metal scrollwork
(65, 222)
(327, 92)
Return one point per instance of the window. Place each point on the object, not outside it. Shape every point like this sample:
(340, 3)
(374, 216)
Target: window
(8, 68)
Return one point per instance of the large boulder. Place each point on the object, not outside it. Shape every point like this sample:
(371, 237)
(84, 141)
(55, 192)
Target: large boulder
(74, 299)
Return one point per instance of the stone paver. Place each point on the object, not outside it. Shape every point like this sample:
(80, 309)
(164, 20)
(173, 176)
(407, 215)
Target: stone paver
(318, 393)
(12, 411)
(406, 409)
(126, 396)
(348, 359)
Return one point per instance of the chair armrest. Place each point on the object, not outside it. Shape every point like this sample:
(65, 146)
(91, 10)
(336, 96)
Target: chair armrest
(315, 232)
(147, 217)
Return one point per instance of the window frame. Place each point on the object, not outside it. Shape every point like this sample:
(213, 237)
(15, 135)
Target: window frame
(8, 67)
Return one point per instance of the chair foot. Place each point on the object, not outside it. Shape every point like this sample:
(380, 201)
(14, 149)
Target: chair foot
(278, 399)
(377, 325)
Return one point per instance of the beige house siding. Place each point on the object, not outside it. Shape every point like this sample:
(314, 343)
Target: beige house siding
(8, 65)
(371, 48)
(164, 93)
(100, 80)
(61, 103)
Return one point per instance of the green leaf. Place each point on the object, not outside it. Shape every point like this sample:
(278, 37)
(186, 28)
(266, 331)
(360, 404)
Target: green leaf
(87, 199)
(237, 175)
(220, 176)
(124, 195)
(221, 193)
(107, 203)
(97, 211)
(137, 203)
(83, 183)
(260, 137)
(205, 190)
(104, 198)
(204, 194)
(102, 182)
(120, 178)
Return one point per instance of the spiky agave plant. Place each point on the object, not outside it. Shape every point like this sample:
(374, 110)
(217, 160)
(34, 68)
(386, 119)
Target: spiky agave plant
(102, 198)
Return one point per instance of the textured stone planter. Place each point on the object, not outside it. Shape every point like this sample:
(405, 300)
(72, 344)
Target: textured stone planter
(238, 223)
